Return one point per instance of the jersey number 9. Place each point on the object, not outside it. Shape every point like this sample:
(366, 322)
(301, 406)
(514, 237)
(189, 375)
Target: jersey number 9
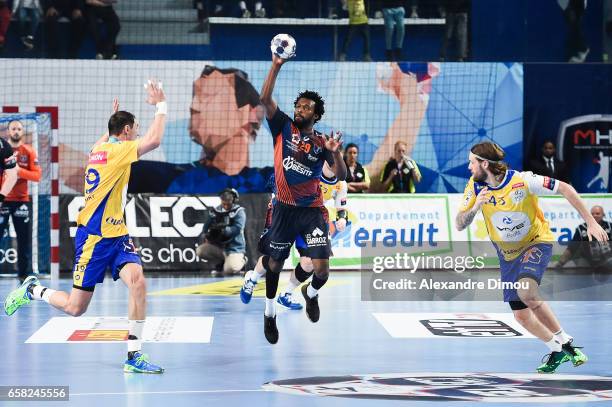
(92, 178)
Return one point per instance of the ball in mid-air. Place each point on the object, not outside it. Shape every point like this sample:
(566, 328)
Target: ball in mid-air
(283, 45)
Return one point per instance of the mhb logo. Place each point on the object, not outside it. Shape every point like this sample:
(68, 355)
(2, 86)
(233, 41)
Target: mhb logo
(585, 144)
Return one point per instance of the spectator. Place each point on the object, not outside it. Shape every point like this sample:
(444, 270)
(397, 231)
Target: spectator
(248, 8)
(548, 164)
(5, 19)
(401, 173)
(224, 244)
(596, 254)
(72, 10)
(414, 8)
(17, 204)
(393, 14)
(456, 28)
(106, 48)
(27, 9)
(357, 177)
(358, 22)
(575, 44)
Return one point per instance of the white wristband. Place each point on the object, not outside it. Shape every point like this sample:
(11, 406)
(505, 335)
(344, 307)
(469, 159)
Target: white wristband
(161, 108)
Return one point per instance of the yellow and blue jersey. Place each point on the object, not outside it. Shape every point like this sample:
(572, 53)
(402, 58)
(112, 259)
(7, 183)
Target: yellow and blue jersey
(512, 215)
(334, 189)
(106, 181)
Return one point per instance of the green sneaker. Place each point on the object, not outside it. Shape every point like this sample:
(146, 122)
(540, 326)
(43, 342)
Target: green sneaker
(553, 362)
(20, 296)
(575, 354)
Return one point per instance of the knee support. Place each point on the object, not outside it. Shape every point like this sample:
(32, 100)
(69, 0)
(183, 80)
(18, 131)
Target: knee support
(300, 274)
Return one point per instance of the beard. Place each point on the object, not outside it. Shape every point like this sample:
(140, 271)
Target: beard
(303, 123)
(15, 137)
(481, 176)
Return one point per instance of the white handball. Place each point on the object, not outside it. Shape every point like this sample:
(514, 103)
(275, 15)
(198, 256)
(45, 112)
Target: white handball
(283, 45)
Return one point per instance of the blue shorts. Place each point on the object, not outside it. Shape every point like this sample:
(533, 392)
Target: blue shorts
(94, 254)
(531, 263)
(309, 224)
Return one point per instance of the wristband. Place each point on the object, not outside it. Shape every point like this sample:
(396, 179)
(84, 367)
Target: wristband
(2, 198)
(161, 108)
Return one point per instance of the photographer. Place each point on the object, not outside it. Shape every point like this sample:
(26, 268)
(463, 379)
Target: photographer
(597, 255)
(224, 245)
(401, 173)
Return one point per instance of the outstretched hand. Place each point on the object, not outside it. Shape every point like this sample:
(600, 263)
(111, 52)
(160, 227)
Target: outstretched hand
(155, 94)
(333, 141)
(596, 232)
(115, 105)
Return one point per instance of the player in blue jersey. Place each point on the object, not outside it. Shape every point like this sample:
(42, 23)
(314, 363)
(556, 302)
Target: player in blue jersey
(299, 154)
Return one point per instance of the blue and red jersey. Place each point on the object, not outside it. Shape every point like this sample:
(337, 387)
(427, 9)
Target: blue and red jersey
(298, 162)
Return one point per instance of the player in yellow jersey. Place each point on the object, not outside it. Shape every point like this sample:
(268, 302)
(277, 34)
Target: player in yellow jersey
(102, 239)
(516, 225)
(331, 188)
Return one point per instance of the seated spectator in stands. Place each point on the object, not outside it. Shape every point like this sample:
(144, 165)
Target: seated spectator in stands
(224, 245)
(25, 10)
(106, 47)
(73, 10)
(548, 164)
(456, 14)
(357, 177)
(358, 22)
(596, 254)
(5, 19)
(393, 14)
(401, 172)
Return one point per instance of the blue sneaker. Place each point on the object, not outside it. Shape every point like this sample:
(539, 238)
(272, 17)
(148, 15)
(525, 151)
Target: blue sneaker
(286, 300)
(140, 364)
(246, 292)
(20, 296)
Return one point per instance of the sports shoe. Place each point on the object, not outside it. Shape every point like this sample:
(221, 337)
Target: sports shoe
(20, 296)
(312, 304)
(575, 354)
(246, 292)
(286, 300)
(140, 364)
(553, 362)
(270, 329)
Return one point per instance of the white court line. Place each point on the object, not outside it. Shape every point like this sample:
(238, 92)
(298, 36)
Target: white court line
(129, 393)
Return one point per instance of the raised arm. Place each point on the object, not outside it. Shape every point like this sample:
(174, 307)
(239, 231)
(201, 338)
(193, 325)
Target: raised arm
(594, 230)
(153, 137)
(268, 86)
(104, 137)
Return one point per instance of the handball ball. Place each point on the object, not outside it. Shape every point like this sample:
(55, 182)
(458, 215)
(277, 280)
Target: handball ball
(283, 45)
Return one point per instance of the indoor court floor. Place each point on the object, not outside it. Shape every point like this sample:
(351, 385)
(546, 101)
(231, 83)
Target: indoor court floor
(367, 353)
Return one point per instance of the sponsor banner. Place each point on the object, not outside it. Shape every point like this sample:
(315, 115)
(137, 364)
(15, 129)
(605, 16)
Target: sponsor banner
(451, 325)
(115, 329)
(388, 221)
(447, 387)
(166, 230)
